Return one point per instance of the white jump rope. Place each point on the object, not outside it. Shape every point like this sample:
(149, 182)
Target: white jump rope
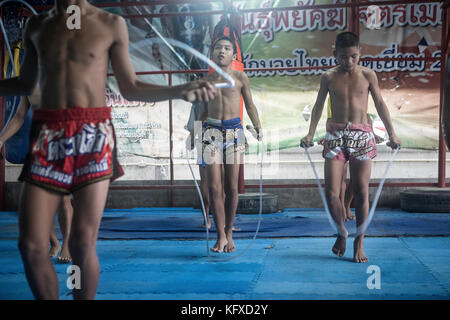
(171, 42)
(216, 259)
(363, 227)
(229, 84)
(5, 36)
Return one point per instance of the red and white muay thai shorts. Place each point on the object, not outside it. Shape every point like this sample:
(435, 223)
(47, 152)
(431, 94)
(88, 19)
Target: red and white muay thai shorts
(71, 148)
(349, 142)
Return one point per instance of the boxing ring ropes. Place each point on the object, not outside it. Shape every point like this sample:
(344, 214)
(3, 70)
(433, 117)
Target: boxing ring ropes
(353, 25)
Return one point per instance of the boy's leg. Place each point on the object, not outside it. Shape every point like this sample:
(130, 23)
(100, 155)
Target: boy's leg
(342, 191)
(223, 181)
(333, 180)
(214, 174)
(205, 193)
(231, 180)
(36, 219)
(54, 244)
(65, 223)
(360, 172)
(89, 203)
(348, 200)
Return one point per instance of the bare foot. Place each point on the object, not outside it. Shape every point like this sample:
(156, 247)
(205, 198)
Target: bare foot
(234, 228)
(209, 225)
(349, 215)
(340, 244)
(358, 252)
(230, 247)
(220, 244)
(64, 256)
(54, 249)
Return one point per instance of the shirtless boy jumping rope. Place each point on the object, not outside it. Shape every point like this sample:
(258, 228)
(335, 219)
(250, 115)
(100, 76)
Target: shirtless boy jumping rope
(224, 141)
(349, 134)
(72, 141)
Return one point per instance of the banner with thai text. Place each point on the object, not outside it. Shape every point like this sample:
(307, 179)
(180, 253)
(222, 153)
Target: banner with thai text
(285, 39)
(305, 38)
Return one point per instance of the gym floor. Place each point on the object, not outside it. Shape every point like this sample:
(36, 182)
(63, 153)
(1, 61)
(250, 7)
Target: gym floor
(161, 253)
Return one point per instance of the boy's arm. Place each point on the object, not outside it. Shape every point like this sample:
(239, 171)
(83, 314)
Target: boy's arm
(378, 139)
(134, 89)
(25, 82)
(16, 122)
(34, 98)
(382, 110)
(316, 112)
(249, 105)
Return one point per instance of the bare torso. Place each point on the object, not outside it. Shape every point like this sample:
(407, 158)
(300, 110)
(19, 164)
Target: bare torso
(349, 94)
(73, 63)
(226, 104)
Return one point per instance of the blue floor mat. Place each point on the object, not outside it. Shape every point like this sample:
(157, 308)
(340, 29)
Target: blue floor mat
(290, 259)
(272, 269)
(184, 223)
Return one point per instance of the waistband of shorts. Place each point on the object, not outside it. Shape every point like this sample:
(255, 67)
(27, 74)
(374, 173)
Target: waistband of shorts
(72, 113)
(226, 124)
(332, 126)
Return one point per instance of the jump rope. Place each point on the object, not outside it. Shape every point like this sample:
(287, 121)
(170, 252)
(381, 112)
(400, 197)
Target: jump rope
(363, 227)
(215, 258)
(229, 84)
(170, 43)
(360, 230)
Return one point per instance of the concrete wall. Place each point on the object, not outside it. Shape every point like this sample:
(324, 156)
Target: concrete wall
(287, 197)
(289, 166)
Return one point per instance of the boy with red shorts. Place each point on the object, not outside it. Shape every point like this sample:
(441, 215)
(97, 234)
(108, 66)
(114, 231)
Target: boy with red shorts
(72, 141)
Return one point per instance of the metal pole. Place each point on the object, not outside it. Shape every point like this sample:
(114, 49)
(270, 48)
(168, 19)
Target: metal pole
(354, 18)
(442, 145)
(2, 112)
(171, 145)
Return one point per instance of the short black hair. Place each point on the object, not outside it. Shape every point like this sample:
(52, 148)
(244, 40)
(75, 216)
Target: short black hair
(346, 39)
(227, 39)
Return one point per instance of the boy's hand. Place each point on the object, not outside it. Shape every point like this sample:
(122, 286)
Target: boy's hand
(259, 133)
(306, 142)
(198, 91)
(394, 142)
(256, 132)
